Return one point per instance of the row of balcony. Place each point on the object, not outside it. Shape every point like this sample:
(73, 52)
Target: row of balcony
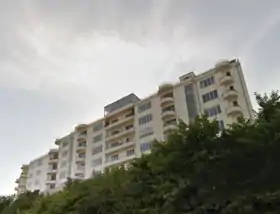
(118, 121)
(120, 133)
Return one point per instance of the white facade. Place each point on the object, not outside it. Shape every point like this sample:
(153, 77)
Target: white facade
(130, 125)
(22, 180)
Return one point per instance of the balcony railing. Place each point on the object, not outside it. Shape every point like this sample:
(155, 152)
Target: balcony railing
(119, 133)
(119, 146)
(119, 121)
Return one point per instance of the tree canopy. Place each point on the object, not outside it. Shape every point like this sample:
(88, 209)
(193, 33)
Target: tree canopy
(198, 170)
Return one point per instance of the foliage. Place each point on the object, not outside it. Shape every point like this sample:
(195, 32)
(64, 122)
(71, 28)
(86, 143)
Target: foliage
(198, 170)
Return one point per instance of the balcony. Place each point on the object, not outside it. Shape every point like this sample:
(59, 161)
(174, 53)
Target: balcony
(25, 167)
(120, 133)
(53, 152)
(22, 185)
(82, 137)
(226, 80)
(167, 100)
(50, 181)
(234, 111)
(52, 170)
(109, 162)
(80, 159)
(53, 159)
(81, 127)
(120, 146)
(57, 142)
(79, 176)
(230, 94)
(81, 147)
(170, 125)
(168, 113)
(81, 150)
(126, 118)
(80, 169)
(23, 175)
(165, 88)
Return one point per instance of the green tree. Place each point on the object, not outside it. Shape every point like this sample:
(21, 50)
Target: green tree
(198, 170)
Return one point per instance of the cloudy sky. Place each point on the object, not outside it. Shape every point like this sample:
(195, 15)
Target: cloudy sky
(61, 61)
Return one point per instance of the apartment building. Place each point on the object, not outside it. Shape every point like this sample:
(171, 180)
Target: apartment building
(22, 180)
(42, 172)
(130, 124)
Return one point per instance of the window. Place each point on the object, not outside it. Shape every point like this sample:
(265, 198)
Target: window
(54, 166)
(52, 186)
(144, 107)
(97, 150)
(129, 127)
(38, 172)
(114, 157)
(97, 138)
(145, 146)
(146, 132)
(213, 111)
(81, 155)
(98, 127)
(228, 73)
(231, 88)
(207, 82)
(145, 119)
(97, 162)
(115, 144)
(210, 96)
(130, 152)
(235, 103)
(53, 177)
(62, 175)
(82, 144)
(221, 124)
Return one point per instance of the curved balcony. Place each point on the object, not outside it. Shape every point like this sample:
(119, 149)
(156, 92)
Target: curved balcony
(165, 88)
(230, 94)
(53, 151)
(222, 63)
(57, 142)
(234, 110)
(82, 138)
(169, 128)
(170, 125)
(226, 80)
(24, 167)
(168, 114)
(81, 127)
(164, 101)
(81, 149)
(80, 159)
